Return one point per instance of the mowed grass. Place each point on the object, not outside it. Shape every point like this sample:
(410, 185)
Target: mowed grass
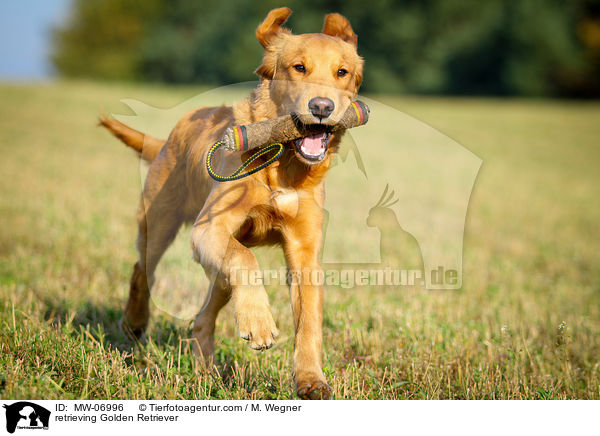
(525, 325)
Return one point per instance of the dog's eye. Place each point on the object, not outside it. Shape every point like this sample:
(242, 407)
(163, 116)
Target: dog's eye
(300, 68)
(342, 72)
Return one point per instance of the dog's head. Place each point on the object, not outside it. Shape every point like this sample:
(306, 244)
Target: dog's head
(314, 75)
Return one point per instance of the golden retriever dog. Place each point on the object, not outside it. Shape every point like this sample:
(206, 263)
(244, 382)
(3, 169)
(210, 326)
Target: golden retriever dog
(315, 76)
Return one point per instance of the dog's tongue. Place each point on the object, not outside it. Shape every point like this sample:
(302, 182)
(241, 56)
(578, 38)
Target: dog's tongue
(312, 144)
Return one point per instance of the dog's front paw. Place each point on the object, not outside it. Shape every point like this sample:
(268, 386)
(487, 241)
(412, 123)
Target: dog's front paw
(256, 325)
(313, 388)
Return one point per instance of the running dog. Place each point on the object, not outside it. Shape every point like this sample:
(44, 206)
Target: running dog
(315, 76)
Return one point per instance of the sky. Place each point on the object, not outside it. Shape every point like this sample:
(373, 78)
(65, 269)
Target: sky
(25, 37)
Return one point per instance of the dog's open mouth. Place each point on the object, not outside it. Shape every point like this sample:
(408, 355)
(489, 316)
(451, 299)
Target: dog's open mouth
(312, 149)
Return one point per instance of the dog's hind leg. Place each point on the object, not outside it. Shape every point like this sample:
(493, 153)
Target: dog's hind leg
(152, 245)
(159, 219)
(204, 325)
(153, 240)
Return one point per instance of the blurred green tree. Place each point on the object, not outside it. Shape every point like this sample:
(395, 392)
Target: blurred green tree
(530, 47)
(102, 38)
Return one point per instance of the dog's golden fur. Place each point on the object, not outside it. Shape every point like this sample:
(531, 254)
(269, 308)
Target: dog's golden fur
(279, 205)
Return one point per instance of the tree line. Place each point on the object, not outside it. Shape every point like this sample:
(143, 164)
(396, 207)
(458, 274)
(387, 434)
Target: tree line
(459, 47)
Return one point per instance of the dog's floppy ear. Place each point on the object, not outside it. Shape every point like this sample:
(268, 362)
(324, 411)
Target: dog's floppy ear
(271, 26)
(338, 25)
(266, 33)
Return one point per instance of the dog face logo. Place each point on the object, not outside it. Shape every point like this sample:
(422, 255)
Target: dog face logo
(26, 415)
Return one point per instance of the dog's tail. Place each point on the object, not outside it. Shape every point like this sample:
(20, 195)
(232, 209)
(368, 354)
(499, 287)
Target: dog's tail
(147, 146)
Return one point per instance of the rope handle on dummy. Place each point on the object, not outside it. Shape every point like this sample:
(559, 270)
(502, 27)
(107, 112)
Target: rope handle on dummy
(276, 131)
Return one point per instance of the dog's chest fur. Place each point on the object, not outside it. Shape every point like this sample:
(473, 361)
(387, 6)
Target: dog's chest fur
(266, 222)
(285, 201)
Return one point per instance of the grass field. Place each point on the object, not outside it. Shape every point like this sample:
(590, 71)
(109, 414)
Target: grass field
(525, 325)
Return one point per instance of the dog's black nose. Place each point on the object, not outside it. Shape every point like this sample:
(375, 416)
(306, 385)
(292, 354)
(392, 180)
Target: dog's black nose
(321, 107)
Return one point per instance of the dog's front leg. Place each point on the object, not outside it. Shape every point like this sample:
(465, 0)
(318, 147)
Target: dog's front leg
(223, 256)
(306, 292)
